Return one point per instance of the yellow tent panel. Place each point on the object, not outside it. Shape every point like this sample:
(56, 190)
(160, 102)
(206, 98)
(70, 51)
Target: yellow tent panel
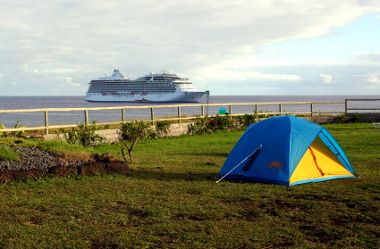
(318, 162)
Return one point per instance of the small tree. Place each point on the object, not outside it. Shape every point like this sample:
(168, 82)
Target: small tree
(130, 134)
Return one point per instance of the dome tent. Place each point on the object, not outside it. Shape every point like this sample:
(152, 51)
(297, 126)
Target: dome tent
(286, 150)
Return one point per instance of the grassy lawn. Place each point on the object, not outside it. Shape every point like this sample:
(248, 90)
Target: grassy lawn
(171, 200)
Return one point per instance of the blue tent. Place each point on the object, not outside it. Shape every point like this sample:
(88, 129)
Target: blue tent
(286, 150)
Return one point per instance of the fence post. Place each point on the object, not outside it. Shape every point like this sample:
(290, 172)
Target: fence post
(179, 118)
(311, 109)
(152, 115)
(86, 117)
(345, 106)
(280, 108)
(122, 115)
(202, 111)
(230, 109)
(256, 109)
(46, 122)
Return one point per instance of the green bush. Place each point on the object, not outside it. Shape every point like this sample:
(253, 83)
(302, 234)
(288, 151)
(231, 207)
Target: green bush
(200, 126)
(130, 134)
(84, 135)
(162, 128)
(347, 118)
(203, 125)
(245, 121)
(221, 122)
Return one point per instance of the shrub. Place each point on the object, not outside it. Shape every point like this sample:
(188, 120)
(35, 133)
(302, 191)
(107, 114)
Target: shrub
(245, 121)
(347, 118)
(130, 134)
(162, 128)
(224, 122)
(210, 124)
(200, 126)
(260, 115)
(84, 135)
(71, 136)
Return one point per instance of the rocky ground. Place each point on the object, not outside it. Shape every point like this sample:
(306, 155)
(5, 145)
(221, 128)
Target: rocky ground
(31, 158)
(35, 162)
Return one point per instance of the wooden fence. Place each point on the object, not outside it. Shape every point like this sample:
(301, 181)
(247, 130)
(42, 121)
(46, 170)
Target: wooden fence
(179, 117)
(349, 109)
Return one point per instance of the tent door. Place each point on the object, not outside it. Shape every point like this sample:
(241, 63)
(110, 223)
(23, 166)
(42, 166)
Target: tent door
(315, 161)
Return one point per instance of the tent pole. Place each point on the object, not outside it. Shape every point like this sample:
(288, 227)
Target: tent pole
(229, 172)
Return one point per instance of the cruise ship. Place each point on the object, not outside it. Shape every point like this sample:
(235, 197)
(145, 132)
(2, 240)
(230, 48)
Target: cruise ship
(161, 87)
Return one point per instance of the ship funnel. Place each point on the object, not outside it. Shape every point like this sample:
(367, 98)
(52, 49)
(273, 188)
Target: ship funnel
(116, 74)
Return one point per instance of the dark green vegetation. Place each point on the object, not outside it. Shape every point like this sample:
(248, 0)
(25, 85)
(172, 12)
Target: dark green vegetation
(130, 134)
(7, 153)
(171, 200)
(206, 124)
(84, 135)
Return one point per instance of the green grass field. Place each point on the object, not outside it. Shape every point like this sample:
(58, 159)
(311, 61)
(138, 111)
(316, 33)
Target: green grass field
(171, 200)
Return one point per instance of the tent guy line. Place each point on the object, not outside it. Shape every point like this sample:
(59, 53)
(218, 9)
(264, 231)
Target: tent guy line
(258, 149)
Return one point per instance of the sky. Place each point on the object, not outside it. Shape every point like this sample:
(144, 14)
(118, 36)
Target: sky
(230, 47)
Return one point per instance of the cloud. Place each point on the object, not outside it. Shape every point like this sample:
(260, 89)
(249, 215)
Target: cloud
(224, 74)
(70, 81)
(374, 79)
(45, 43)
(368, 56)
(326, 78)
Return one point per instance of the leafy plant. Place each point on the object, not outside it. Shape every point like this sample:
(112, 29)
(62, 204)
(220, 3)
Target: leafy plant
(84, 135)
(130, 134)
(245, 121)
(13, 133)
(162, 128)
(2, 126)
(347, 118)
(200, 126)
(221, 122)
(18, 133)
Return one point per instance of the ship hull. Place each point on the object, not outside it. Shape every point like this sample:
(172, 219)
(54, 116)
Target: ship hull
(187, 97)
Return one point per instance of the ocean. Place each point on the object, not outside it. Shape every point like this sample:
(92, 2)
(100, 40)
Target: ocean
(36, 119)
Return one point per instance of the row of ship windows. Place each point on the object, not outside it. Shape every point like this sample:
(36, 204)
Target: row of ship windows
(132, 82)
(137, 89)
(140, 83)
(131, 92)
(131, 86)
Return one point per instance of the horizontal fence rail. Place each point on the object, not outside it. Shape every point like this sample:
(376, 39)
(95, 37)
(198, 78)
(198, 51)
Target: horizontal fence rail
(178, 114)
(361, 108)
